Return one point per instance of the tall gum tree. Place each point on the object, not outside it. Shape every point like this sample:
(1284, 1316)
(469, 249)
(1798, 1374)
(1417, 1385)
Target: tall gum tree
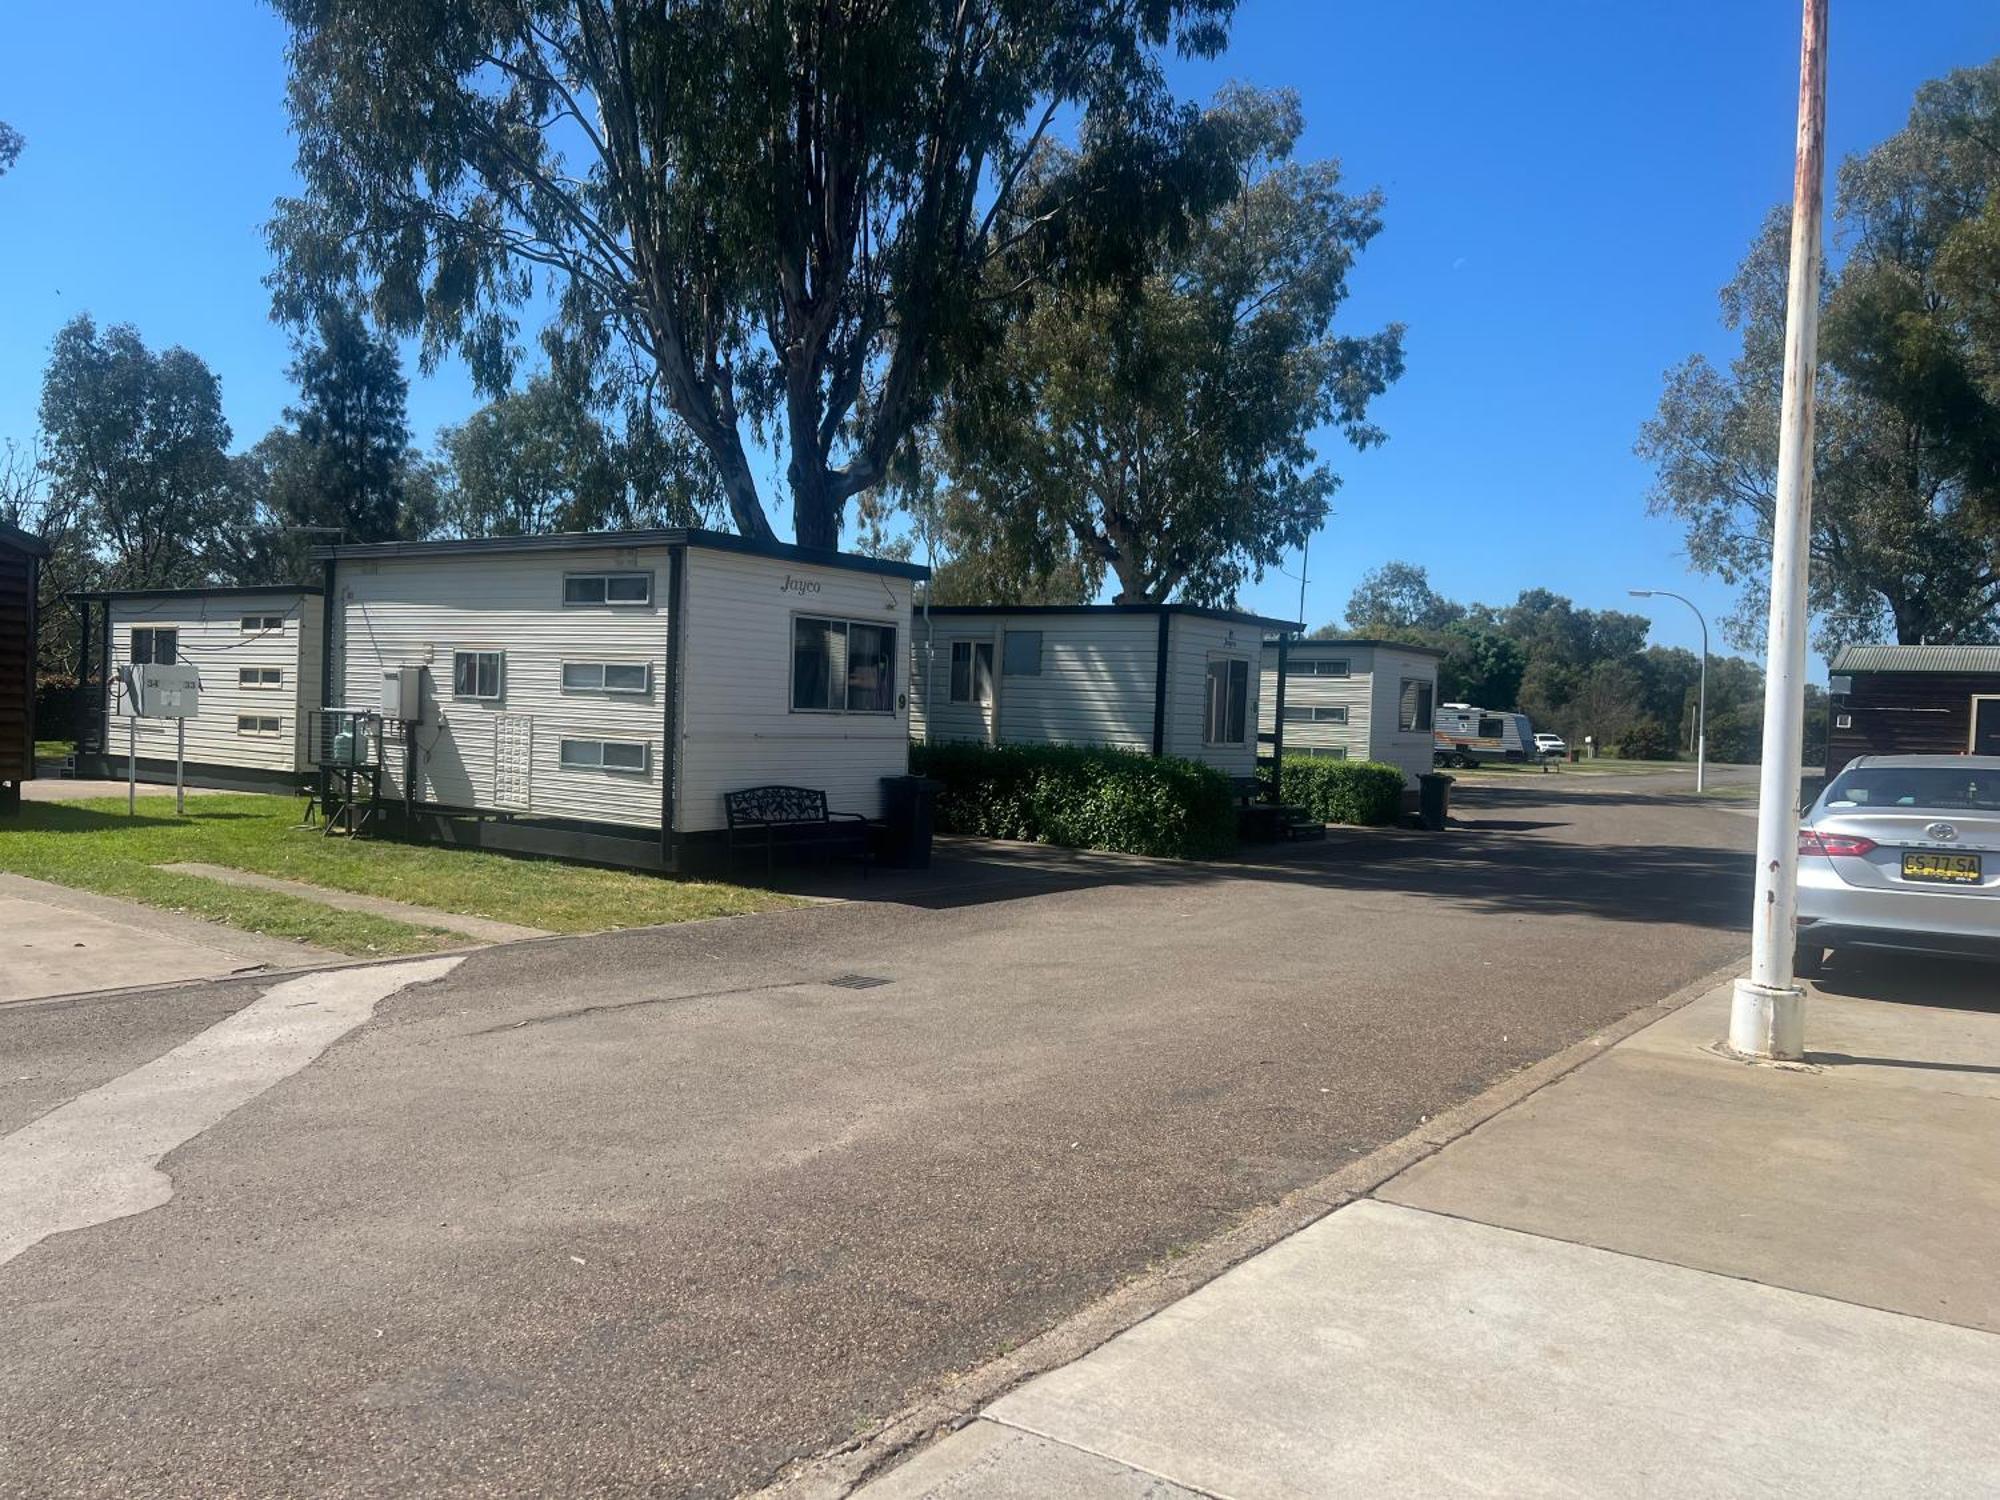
(794, 211)
(1163, 432)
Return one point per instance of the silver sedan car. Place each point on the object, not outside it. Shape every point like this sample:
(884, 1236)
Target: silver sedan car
(1902, 852)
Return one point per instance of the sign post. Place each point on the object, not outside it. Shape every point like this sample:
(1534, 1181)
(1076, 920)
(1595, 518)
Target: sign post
(158, 690)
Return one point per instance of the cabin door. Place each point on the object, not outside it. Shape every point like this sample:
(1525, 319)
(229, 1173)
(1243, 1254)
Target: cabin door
(1986, 726)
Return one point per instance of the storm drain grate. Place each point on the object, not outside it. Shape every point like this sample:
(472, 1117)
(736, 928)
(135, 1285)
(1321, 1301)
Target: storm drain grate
(856, 981)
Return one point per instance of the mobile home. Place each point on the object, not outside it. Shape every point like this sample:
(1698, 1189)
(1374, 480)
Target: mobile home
(597, 694)
(1353, 700)
(1913, 700)
(20, 565)
(256, 652)
(1168, 679)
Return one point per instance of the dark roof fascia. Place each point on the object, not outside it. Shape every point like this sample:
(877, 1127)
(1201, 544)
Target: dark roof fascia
(1347, 642)
(23, 541)
(576, 541)
(239, 590)
(1195, 611)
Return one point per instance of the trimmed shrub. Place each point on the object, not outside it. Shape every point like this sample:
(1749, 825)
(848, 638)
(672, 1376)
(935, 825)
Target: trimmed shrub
(1081, 797)
(1647, 739)
(1343, 791)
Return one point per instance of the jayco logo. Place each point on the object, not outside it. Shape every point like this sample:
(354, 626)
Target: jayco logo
(793, 585)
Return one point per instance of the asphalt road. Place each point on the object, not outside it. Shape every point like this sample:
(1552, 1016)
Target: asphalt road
(655, 1212)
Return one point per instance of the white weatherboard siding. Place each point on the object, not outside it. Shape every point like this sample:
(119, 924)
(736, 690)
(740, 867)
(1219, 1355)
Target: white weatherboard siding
(505, 753)
(1095, 686)
(737, 726)
(211, 638)
(1194, 643)
(1354, 692)
(933, 716)
(1410, 751)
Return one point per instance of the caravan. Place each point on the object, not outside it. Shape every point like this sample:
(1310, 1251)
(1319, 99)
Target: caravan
(1463, 735)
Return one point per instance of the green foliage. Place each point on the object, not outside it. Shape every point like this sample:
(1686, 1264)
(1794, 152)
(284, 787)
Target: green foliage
(1343, 791)
(1398, 597)
(785, 217)
(1644, 739)
(1082, 797)
(539, 460)
(137, 451)
(11, 145)
(1906, 487)
(1163, 431)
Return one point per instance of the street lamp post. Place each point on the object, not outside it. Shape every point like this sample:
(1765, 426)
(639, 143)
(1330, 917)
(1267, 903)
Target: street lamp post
(1701, 703)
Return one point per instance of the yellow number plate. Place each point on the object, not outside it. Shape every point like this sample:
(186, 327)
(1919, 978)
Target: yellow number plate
(1951, 869)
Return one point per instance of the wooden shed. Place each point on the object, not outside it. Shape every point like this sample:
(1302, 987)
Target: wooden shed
(1913, 700)
(20, 570)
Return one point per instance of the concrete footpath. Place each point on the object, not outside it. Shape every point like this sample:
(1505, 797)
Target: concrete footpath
(1667, 1273)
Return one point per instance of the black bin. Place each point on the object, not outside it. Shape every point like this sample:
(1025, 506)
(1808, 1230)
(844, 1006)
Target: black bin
(1434, 799)
(909, 808)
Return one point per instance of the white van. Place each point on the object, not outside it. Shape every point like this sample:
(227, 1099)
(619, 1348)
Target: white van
(1463, 735)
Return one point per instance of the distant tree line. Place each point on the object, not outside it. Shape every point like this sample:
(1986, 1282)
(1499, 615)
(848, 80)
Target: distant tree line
(1573, 671)
(132, 481)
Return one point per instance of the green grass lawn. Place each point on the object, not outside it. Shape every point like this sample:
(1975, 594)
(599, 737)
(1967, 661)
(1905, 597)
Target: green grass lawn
(53, 749)
(94, 846)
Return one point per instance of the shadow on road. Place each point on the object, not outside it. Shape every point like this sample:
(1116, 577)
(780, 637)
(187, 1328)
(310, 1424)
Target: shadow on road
(1486, 864)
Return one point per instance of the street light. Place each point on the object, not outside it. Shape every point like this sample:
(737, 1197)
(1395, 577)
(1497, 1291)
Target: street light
(1701, 709)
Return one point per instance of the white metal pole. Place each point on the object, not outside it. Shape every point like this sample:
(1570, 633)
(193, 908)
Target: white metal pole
(1701, 714)
(1767, 1017)
(180, 760)
(131, 762)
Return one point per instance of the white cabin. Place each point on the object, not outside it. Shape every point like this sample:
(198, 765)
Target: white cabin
(621, 683)
(1170, 679)
(1354, 700)
(256, 651)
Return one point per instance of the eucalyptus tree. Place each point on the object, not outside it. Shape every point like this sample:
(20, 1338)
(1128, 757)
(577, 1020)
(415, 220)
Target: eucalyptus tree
(1165, 432)
(799, 215)
(1906, 488)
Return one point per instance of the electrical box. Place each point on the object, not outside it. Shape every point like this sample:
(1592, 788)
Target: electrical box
(161, 690)
(403, 695)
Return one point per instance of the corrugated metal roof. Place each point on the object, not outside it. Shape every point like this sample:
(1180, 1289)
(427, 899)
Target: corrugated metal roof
(1918, 659)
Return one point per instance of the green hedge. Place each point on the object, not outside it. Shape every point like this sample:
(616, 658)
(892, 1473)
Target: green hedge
(1343, 791)
(1081, 797)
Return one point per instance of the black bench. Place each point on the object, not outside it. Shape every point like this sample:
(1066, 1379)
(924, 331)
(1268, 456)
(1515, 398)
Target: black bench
(793, 818)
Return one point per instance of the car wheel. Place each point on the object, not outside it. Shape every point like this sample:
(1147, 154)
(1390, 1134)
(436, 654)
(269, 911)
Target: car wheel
(1808, 960)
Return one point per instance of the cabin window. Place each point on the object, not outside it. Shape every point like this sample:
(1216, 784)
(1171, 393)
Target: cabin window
(1326, 667)
(259, 624)
(972, 672)
(608, 588)
(1315, 713)
(477, 674)
(607, 677)
(260, 677)
(1023, 656)
(1413, 710)
(843, 666)
(1228, 701)
(604, 755)
(264, 726)
(1318, 752)
(153, 645)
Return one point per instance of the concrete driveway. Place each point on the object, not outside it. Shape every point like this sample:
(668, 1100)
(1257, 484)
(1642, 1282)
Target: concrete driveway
(58, 941)
(660, 1211)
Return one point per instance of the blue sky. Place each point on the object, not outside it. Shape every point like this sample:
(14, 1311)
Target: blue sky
(1568, 185)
